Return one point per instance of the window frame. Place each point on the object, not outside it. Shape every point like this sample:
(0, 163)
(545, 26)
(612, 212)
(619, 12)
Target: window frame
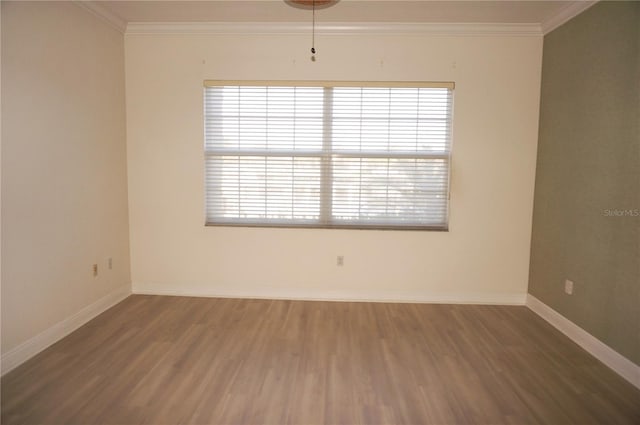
(326, 155)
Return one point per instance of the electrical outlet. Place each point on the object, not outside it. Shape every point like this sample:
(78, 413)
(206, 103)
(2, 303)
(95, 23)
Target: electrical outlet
(94, 268)
(110, 263)
(568, 287)
(340, 260)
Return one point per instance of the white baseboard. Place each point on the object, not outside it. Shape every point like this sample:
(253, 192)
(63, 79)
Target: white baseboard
(620, 364)
(334, 295)
(31, 347)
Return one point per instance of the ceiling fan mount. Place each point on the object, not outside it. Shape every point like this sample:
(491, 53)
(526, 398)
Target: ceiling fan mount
(311, 4)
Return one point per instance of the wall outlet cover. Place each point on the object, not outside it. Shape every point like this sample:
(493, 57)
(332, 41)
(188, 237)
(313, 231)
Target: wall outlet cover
(568, 287)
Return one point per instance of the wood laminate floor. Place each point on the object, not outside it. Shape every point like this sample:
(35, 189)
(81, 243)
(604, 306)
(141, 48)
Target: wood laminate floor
(172, 360)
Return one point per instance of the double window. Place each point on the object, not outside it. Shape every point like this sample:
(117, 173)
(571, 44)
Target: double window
(335, 154)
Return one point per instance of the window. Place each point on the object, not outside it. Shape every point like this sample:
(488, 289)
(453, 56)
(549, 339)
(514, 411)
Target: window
(311, 154)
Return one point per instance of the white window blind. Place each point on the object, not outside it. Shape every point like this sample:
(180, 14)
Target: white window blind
(328, 154)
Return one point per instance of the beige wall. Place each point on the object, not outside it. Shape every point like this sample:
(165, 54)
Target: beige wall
(588, 168)
(0, 176)
(64, 194)
(484, 256)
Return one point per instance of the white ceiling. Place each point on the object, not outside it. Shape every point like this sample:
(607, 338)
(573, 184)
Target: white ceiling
(425, 11)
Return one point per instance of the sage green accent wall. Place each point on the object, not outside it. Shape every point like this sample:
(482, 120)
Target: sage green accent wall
(586, 224)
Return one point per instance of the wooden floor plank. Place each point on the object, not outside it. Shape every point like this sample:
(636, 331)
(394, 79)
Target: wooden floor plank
(179, 360)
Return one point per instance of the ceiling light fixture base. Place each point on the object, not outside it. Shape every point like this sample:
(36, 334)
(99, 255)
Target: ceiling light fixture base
(309, 4)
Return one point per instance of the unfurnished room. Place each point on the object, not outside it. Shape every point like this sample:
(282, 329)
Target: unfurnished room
(320, 212)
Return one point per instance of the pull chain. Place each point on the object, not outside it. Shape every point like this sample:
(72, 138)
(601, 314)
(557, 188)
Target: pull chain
(313, 32)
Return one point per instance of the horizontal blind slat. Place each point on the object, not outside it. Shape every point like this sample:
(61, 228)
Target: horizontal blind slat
(388, 155)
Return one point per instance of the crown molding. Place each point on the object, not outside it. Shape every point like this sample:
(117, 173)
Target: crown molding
(340, 28)
(565, 15)
(369, 28)
(103, 13)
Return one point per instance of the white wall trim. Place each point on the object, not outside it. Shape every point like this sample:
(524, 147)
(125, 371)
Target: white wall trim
(620, 364)
(566, 14)
(33, 346)
(103, 13)
(443, 29)
(350, 28)
(332, 295)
